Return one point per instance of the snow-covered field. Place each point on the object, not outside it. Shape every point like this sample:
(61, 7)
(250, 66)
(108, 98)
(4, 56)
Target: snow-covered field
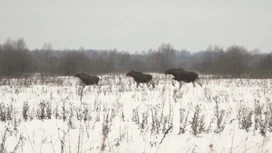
(59, 115)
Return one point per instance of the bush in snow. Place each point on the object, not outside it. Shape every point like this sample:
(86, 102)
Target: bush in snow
(244, 117)
(197, 123)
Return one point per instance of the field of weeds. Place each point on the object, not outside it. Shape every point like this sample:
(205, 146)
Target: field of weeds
(59, 115)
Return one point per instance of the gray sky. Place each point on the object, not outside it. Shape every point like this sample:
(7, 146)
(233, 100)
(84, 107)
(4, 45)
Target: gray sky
(139, 24)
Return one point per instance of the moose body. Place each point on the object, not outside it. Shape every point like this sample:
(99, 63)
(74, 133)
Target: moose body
(87, 79)
(139, 77)
(182, 75)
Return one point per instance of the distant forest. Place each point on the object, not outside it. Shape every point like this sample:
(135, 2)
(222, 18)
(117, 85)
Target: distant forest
(235, 61)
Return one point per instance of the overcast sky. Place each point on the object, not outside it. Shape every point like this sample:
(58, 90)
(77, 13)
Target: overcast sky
(138, 24)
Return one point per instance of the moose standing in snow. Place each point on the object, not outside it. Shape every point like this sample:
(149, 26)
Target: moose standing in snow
(87, 79)
(139, 77)
(182, 75)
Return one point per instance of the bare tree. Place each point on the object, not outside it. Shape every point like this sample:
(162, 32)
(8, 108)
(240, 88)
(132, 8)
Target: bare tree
(265, 65)
(15, 58)
(168, 53)
(236, 58)
(47, 51)
(236, 61)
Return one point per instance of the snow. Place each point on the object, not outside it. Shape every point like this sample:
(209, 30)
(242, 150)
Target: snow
(113, 105)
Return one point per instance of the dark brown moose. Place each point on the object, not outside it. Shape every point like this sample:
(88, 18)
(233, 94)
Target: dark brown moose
(87, 79)
(182, 75)
(139, 77)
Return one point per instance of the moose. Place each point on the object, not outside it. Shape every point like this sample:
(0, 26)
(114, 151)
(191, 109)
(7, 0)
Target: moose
(139, 77)
(183, 75)
(87, 79)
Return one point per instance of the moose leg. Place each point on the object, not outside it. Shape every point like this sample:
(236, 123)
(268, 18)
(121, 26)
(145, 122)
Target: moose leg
(153, 84)
(180, 84)
(194, 84)
(198, 83)
(81, 92)
(148, 85)
(173, 83)
(138, 84)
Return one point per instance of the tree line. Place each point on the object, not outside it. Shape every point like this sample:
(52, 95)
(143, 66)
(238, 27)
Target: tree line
(235, 61)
